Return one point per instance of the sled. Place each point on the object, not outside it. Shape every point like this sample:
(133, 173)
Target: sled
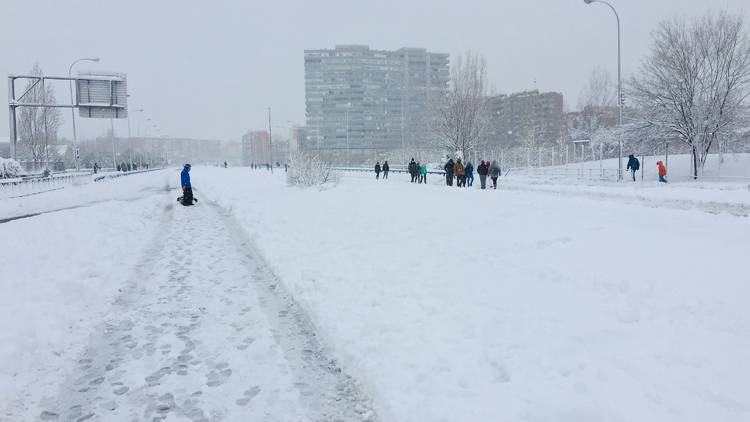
(187, 203)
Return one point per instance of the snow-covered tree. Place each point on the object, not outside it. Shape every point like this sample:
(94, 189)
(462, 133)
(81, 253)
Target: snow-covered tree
(308, 169)
(461, 114)
(694, 85)
(599, 91)
(38, 127)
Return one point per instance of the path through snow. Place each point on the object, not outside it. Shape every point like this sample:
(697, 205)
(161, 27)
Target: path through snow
(206, 332)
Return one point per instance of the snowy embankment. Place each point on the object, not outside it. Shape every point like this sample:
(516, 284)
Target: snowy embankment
(122, 188)
(456, 304)
(60, 271)
(729, 193)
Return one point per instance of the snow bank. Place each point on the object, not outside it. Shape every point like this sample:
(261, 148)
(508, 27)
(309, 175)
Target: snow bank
(509, 305)
(734, 168)
(123, 188)
(10, 168)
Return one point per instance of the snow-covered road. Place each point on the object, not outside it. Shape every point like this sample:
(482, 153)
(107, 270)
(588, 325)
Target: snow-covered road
(205, 332)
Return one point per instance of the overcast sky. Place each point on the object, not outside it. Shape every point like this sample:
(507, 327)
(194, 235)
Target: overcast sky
(209, 69)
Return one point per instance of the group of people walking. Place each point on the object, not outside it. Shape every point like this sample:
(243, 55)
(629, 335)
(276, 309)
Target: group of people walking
(385, 168)
(464, 174)
(418, 171)
(634, 165)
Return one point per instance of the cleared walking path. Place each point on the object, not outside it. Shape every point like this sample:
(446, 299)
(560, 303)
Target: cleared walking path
(205, 332)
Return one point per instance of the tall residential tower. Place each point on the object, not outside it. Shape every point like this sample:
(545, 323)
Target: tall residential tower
(360, 102)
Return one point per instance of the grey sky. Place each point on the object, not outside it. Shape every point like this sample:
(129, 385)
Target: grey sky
(210, 69)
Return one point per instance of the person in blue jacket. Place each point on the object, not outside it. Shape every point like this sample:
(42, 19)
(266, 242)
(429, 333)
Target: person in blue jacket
(469, 173)
(187, 189)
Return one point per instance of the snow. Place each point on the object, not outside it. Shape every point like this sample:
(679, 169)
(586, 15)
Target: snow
(734, 168)
(510, 305)
(544, 300)
(60, 271)
(122, 188)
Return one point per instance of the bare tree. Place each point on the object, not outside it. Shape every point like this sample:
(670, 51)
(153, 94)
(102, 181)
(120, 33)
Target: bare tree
(599, 91)
(694, 85)
(38, 126)
(461, 115)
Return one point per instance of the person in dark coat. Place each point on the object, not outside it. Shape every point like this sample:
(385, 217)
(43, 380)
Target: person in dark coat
(494, 173)
(377, 170)
(633, 165)
(187, 188)
(413, 170)
(449, 172)
(386, 167)
(483, 170)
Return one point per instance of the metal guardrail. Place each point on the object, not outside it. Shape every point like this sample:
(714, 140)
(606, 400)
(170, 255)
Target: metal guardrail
(392, 170)
(34, 185)
(13, 188)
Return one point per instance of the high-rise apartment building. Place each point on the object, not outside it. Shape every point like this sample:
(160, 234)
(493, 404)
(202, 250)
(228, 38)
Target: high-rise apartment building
(360, 101)
(528, 117)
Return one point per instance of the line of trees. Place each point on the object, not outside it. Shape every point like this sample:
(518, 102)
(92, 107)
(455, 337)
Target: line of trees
(37, 127)
(692, 87)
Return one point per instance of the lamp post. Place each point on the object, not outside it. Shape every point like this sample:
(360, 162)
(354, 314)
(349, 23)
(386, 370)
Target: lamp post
(130, 136)
(619, 82)
(348, 105)
(73, 102)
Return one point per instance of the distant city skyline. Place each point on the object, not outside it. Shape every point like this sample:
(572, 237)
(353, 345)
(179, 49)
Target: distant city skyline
(211, 71)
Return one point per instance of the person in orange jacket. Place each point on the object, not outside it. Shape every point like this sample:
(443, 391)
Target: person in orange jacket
(662, 172)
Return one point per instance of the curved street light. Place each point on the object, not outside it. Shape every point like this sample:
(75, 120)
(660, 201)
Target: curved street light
(619, 81)
(73, 102)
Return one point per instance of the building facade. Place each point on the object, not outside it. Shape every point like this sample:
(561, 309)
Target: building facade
(255, 148)
(526, 118)
(360, 101)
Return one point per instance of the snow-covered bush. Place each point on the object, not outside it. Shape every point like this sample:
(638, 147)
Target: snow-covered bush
(308, 170)
(10, 168)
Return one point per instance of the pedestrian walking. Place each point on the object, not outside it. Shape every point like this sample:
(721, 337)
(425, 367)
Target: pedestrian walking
(460, 172)
(494, 173)
(413, 170)
(662, 172)
(449, 172)
(483, 170)
(423, 173)
(469, 173)
(633, 165)
(386, 167)
(377, 170)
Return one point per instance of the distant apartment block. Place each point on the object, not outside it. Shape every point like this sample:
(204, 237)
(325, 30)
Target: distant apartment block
(255, 148)
(367, 100)
(526, 117)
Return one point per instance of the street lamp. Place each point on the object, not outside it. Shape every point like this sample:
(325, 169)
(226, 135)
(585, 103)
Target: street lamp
(73, 102)
(619, 82)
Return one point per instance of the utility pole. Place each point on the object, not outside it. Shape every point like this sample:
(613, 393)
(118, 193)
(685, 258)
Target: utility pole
(270, 141)
(114, 153)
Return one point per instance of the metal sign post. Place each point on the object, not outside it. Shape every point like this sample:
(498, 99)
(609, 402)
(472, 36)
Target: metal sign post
(104, 95)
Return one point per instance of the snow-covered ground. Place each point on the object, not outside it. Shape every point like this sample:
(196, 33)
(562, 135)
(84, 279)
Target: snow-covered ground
(730, 168)
(375, 300)
(474, 305)
(60, 270)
